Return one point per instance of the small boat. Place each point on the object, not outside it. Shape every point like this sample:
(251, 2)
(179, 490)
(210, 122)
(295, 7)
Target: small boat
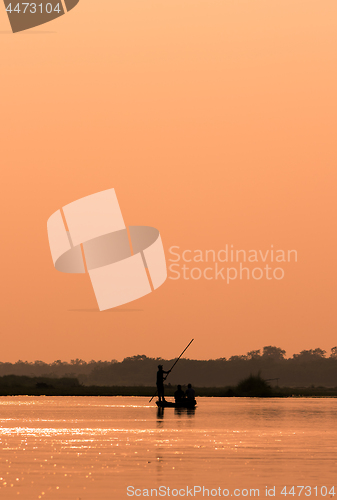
(181, 404)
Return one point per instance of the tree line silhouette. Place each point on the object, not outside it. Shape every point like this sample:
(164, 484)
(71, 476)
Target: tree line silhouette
(308, 368)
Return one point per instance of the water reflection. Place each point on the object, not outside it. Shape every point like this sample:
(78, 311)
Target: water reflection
(160, 413)
(93, 447)
(190, 412)
(178, 412)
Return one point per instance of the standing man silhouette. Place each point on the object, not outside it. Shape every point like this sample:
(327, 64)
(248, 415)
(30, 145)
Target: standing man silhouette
(160, 382)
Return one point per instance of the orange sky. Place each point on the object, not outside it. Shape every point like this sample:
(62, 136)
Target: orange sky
(215, 122)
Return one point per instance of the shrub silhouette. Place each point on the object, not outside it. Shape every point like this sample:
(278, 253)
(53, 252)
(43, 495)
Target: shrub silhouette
(254, 386)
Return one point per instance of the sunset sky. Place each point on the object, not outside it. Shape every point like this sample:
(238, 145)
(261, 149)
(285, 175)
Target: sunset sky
(215, 122)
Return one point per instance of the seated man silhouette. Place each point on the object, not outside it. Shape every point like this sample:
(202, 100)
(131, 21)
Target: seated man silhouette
(190, 393)
(179, 395)
(160, 382)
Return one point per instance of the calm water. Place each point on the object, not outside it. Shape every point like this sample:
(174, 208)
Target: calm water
(93, 448)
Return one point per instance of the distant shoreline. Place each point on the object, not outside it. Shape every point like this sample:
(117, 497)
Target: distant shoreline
(277, 392)
(309, 368)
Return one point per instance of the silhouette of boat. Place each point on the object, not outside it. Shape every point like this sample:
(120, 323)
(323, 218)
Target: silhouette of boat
(181, 404)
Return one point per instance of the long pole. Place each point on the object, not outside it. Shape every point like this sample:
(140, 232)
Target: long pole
(176, 361)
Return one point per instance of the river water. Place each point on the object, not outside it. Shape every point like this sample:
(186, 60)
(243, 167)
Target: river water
(97, 447)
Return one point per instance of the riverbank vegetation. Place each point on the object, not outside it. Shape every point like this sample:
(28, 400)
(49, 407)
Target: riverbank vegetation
(253, 386)
(314, 367)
